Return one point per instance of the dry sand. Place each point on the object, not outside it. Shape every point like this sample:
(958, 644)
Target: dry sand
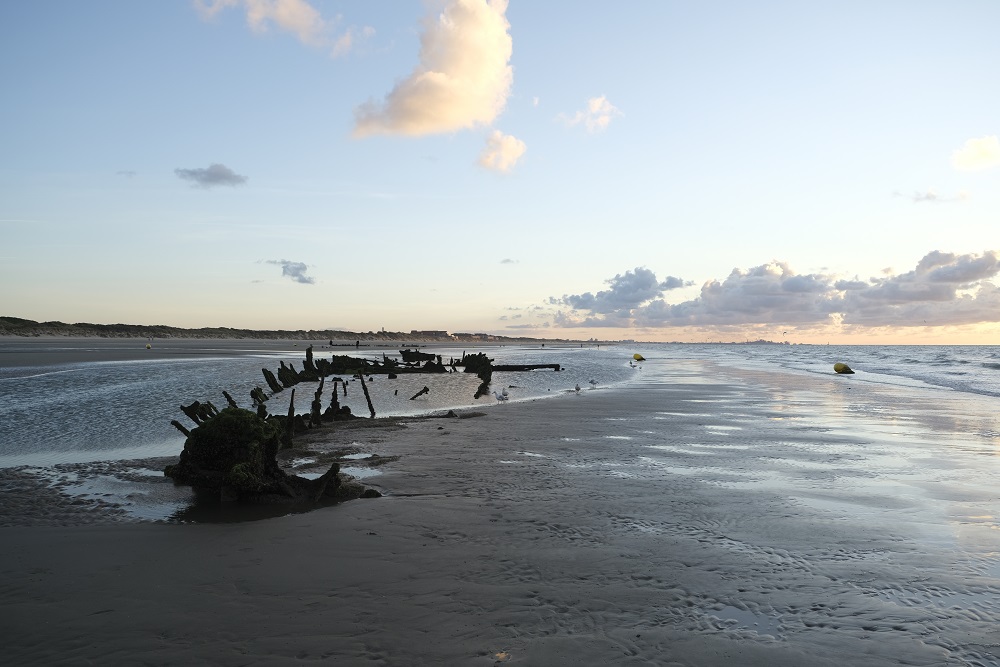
(705, 521)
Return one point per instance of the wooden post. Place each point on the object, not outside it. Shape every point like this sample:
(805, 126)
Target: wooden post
(290, 422)
(317, 406)
(180, 427)
(364, 388)
(334, 403)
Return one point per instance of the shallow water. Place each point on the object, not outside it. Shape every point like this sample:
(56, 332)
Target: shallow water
(56, 408)
(69, 400)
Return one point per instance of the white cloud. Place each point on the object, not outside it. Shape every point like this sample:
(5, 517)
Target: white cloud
(931, 196)
(295, 16)
(976, 154)
(209, 8)
(502, 151)
(596, 117)
(463, 79)
(351, 38)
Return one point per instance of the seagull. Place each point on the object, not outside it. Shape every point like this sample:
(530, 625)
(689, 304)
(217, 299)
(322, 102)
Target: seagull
(593, 384)
(578, 387)
(504, 393)
(500, 397)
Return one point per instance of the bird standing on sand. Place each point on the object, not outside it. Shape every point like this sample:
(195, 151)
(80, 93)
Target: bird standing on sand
(578, 387)
(500, 397)
(593, 384)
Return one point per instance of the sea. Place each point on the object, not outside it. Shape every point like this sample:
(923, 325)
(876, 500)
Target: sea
(76, 400)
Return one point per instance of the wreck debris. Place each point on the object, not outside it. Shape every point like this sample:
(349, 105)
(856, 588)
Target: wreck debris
(334, 403)
(482, 366)
(314, 369)
(415, 355)
(364, 388)
(233, 454)
(308, 366)
(316, 412)
(180, 427)
(287, 376)
(272, 382)
(229, 399)
(259, 399)
(200, 412)
(289, 423)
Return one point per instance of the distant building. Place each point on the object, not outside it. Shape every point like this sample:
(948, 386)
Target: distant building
(430, 334)
(474, 336)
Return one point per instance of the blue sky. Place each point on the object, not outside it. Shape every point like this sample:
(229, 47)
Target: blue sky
(647, 170)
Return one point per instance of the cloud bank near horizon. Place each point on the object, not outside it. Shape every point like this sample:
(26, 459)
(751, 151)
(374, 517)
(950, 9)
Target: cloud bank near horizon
(626, 293)
(944, 289)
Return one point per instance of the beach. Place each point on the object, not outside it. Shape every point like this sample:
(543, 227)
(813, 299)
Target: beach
(698, 516)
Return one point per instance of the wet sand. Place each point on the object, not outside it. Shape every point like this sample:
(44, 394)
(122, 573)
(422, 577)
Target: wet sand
(709, 517)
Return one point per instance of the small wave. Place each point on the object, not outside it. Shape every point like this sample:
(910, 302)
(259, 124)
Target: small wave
(991, 365)
(937, 363)
(38, 375)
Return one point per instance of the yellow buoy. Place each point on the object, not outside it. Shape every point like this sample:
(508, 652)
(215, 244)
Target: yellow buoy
(638, 357)
(843, 369)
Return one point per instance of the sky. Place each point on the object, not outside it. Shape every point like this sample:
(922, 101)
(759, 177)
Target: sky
(653, 170)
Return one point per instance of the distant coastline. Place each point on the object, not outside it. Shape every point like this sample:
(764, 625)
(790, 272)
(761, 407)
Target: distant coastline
(22, 328)
(16, 326)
